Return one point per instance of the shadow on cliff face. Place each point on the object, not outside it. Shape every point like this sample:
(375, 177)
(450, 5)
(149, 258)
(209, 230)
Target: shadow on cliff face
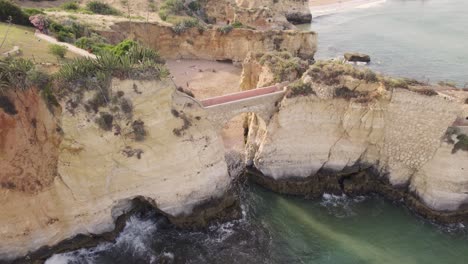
(149, 237)
(204, 216)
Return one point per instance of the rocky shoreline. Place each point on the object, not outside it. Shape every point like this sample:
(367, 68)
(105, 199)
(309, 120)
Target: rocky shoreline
(221, 209)
(364, 182)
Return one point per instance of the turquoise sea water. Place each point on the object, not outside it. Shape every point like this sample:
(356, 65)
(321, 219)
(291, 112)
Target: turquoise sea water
(422, 39)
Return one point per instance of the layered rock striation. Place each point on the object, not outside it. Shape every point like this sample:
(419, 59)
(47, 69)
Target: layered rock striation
(63, 175)
(337, 122)
(211, 43)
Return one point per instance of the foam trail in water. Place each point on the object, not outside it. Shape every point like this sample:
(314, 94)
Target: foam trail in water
(367, 252)
(134, 238)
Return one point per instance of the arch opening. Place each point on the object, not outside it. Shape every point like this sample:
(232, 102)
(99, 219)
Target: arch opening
(241, 136)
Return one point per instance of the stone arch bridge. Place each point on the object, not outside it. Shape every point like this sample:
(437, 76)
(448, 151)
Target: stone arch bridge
(261, 101)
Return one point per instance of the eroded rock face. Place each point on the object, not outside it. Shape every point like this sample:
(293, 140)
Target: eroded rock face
(260, 14)
(345, 124)
(88, 177)
(212, 44)
(29, 135)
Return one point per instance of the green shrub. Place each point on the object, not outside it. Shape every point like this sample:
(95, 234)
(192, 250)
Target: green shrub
(298, 88)
(49, 97)
(14, 73)
(462, 143)
(283, 65)
(139, 131)
(237, 24)
(105, 121)
(94, 44)
(187, 24)
(70, 6)
(101, 8)
(32, 12)
(67, 33)
(194, 6)
(225, 29)
(9, 9)
(123, 47)
(58, 51)
(37, 78)
(171, 7)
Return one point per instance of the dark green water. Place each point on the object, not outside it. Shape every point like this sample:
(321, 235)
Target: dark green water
(282, 229)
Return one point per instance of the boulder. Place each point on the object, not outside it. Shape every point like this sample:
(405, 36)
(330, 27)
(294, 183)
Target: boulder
(357, 57)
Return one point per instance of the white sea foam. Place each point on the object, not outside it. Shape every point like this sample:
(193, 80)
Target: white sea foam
(135, 238)
(340, 205)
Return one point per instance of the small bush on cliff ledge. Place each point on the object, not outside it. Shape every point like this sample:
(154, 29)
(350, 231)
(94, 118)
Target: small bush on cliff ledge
(284, 66)
(105, 121)
(187, 24)
(462, 143)
(298, 88)
(225, 29)
(14, 74)
(101, 8)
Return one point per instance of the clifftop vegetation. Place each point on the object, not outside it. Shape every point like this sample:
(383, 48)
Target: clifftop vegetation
(86, 82)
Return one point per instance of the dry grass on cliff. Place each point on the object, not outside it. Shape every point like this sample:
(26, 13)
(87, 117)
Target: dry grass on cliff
(331, 73)
(283, 65)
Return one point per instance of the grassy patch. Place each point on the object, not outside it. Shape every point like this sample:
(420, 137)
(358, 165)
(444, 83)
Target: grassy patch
(31, 47)
(102, 8)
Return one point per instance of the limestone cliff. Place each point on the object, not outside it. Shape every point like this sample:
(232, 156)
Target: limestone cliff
(62, 175)
(338, 121)
(212, 44)
(260, 14)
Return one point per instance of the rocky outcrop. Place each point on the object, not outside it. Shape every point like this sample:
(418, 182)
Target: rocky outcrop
(260, 14)
(357, 57)
(63, 176)
(344, 121)
(212, 44)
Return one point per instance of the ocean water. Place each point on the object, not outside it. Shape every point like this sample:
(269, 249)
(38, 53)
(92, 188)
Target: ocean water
(282, 229)
(427, 40)
(422, 39)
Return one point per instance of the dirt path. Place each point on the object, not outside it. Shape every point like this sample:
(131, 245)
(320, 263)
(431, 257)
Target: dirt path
(70, 47)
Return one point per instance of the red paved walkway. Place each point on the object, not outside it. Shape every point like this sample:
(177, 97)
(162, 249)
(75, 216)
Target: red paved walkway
(239, 96)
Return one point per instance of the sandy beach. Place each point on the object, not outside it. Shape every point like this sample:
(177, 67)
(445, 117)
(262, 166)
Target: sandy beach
(327, 7)
(208, 79)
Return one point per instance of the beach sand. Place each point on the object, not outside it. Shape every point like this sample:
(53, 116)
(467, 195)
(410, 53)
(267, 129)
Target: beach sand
(208, 79)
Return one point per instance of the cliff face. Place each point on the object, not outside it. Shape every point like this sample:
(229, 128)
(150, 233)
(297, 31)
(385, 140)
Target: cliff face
(346, 125)
(260, 14)
(212, 44)
(29, 134)
(84, 180)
